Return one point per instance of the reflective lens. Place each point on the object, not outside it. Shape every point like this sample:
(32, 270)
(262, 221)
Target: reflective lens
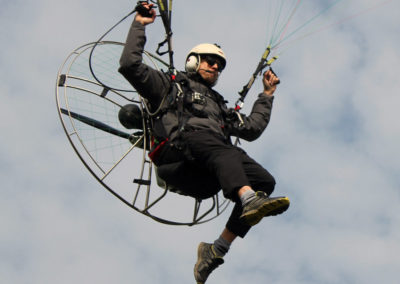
(211, 60)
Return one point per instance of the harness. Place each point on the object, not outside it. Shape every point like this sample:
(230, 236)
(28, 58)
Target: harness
(172, 102)
(179, 104)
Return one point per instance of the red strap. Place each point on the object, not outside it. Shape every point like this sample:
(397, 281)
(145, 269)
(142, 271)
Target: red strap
(153, 155)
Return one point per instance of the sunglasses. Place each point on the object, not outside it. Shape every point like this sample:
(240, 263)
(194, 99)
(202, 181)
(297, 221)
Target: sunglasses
(211, 60)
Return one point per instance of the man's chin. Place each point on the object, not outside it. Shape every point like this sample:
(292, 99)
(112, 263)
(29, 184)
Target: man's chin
(210, 78)
(212, 83)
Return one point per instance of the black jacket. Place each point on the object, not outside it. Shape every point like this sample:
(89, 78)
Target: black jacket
(207, 108)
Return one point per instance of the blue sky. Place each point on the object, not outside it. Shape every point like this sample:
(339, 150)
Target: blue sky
(332, 145)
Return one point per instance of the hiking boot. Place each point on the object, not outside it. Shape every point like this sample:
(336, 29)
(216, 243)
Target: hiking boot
(207, 261)
(263, 206)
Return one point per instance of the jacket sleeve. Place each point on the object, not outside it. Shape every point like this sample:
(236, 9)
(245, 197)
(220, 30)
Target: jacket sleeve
(257, 121)
(150, 83)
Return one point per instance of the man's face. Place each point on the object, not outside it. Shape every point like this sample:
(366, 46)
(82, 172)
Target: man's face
(210, 68)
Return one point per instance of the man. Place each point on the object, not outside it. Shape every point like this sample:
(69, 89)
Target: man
(192, 128)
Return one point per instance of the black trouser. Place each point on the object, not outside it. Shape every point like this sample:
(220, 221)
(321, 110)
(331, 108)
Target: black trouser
(218, 164)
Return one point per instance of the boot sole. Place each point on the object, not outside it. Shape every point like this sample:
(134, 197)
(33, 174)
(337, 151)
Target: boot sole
(272, 208)
(197, 275)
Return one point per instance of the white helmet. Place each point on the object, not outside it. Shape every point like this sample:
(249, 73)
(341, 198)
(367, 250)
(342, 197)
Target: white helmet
(193, 58)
